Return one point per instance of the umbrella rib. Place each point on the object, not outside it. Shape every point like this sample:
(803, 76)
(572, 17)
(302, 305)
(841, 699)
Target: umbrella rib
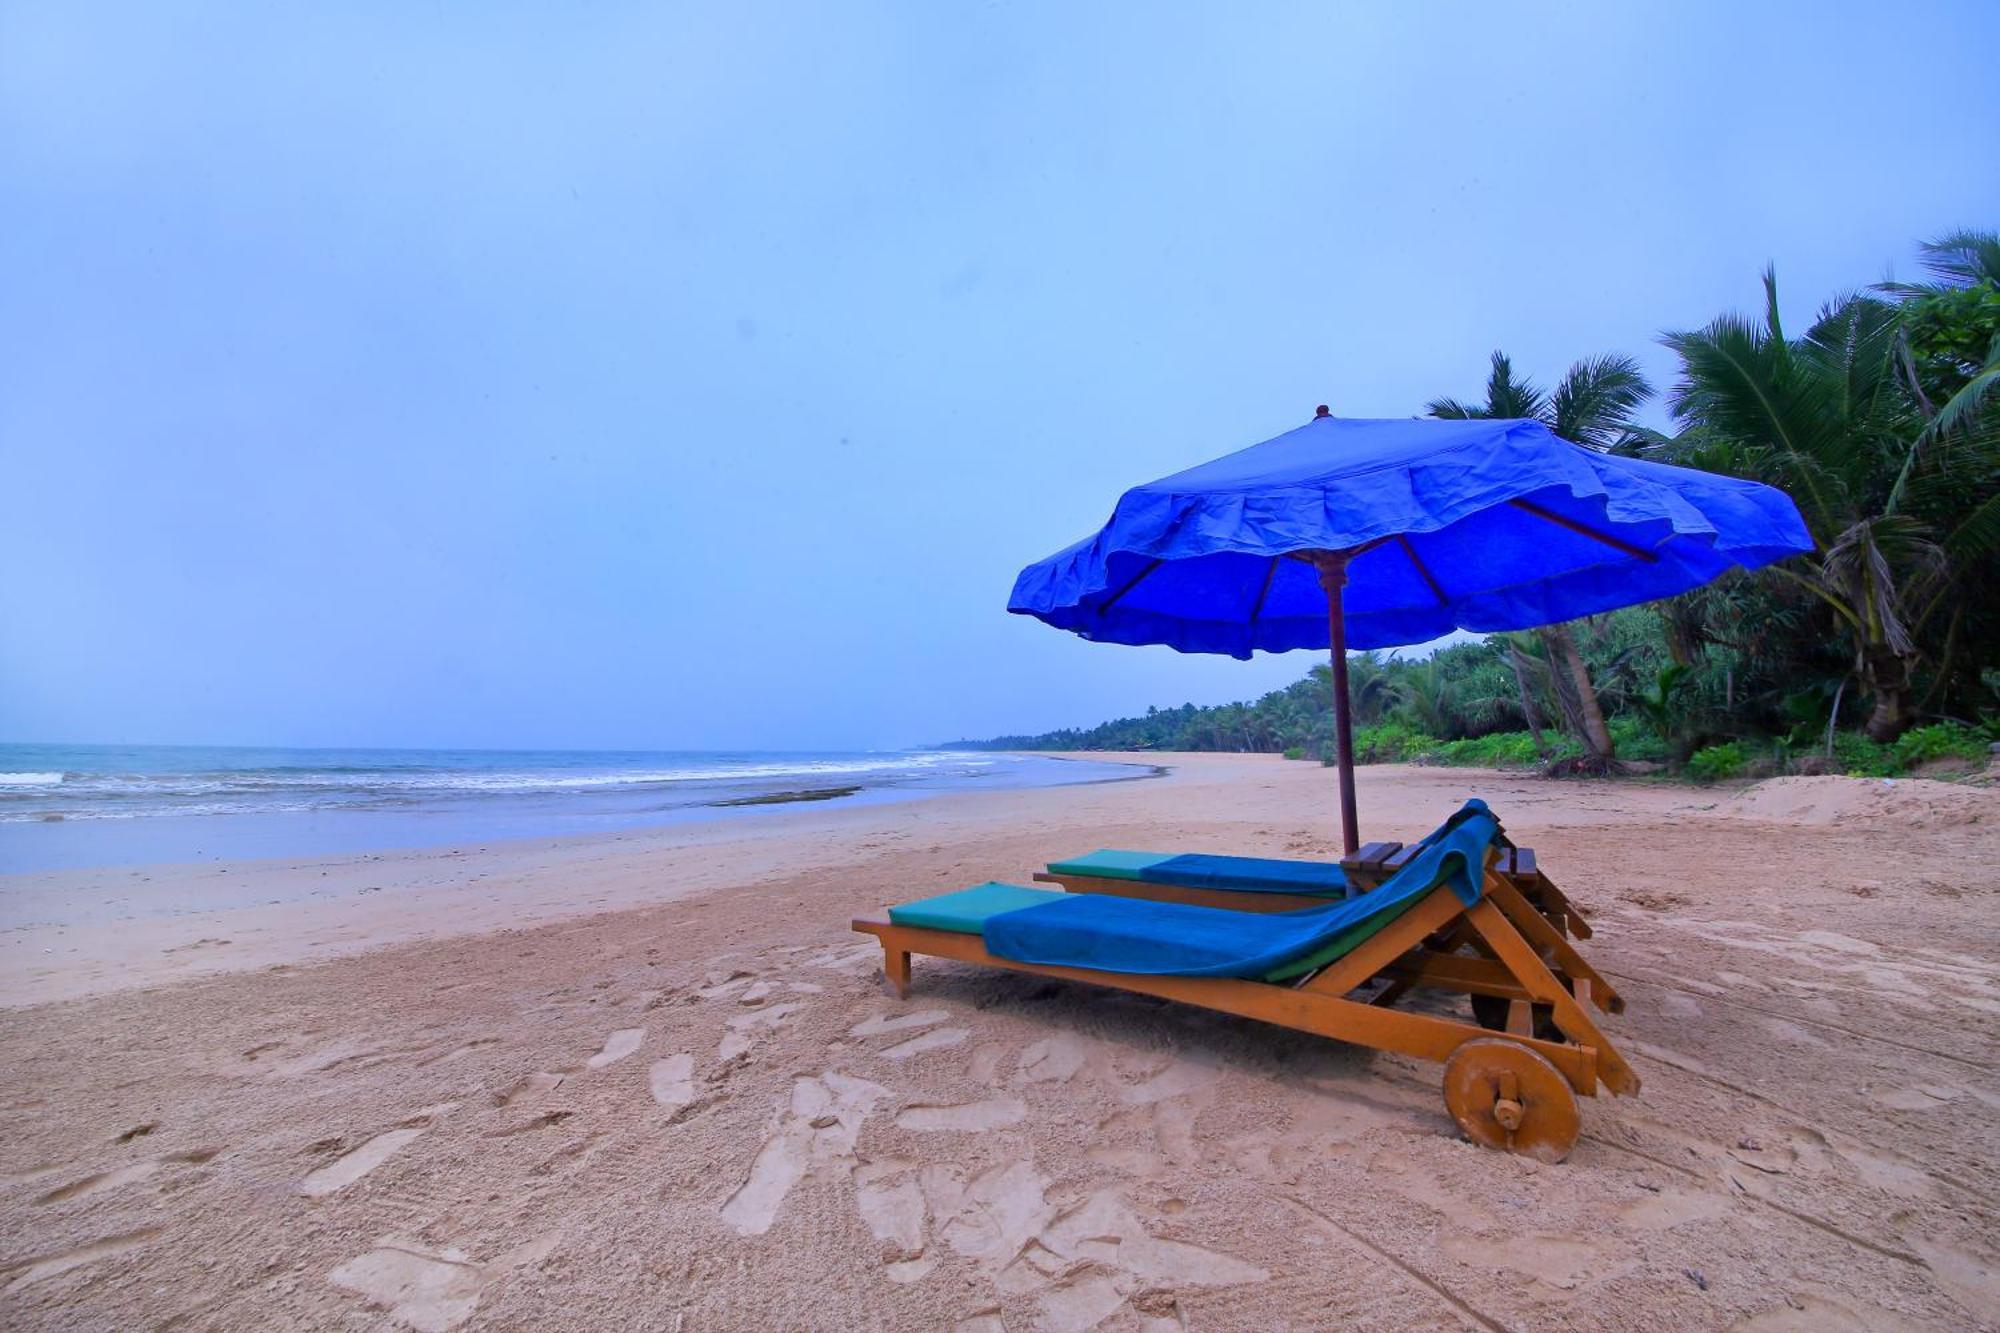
(1130, 584)
(1270, 574)
(1423, 569)
(1616, 544)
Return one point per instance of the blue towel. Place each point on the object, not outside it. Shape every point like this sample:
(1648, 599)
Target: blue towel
(1251, 874)
(1261, 874)
(1112, 934)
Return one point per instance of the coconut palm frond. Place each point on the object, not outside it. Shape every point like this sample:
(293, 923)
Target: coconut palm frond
(1451, 409)
(1963, 258)
(1510, 398)
(1597, 399)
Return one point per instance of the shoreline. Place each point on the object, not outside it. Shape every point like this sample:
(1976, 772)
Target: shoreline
(66, 934)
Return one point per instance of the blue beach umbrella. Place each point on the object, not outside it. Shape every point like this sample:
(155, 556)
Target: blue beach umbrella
(1366, 534)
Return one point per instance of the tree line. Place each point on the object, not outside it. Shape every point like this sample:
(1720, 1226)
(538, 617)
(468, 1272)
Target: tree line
(1880, 648)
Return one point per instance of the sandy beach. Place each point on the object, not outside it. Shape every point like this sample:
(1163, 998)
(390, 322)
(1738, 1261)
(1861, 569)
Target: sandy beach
(652, 1080)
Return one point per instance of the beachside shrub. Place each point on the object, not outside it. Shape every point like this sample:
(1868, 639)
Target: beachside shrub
(1858, 757)
(1392, 743)
(1295, 752)
(1942, 740)
(1638, 740)
(1714, 763)
(1501, 749)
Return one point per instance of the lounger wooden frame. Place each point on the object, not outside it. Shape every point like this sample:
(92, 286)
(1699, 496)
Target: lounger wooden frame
(1509, 965)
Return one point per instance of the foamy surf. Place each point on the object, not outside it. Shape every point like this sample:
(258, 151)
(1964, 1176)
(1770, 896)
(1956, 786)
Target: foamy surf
(89, 784)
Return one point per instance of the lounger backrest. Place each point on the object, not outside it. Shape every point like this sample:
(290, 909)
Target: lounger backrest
(1455, 858)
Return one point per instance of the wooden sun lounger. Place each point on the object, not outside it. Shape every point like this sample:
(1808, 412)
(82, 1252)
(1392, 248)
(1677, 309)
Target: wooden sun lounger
(1514, 1090)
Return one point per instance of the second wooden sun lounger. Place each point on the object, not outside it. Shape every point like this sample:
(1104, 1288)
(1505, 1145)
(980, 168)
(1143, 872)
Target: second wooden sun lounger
(1335, 970)
(1280, 884)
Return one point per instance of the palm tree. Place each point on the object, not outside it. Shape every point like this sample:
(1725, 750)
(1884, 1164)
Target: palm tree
(1828, 418)
(1372, 686)
(1593, 406)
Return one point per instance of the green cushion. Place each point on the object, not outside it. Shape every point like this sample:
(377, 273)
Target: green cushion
(1346, 942)
(1105, 863)
(966, 911)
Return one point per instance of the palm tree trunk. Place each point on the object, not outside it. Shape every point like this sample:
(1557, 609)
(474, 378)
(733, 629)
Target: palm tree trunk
(1887, 673)
(1528, 709)
(1590, 716)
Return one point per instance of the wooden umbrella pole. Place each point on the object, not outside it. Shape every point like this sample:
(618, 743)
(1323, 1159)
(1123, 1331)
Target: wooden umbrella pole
(1333, 577)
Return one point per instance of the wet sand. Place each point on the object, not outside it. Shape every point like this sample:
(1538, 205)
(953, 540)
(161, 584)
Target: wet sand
(652, 1080)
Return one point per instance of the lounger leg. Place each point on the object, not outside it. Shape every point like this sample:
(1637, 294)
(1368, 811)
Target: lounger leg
(1533, 974)
(1553, 898)
(896, 968)
(1565, 960)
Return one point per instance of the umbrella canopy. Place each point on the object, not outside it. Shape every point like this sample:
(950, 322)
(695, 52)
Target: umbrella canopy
(1365, 534)
(1479, 525)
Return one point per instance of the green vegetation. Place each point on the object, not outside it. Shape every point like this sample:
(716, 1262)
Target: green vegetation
(1875, 653)
(1712, 763)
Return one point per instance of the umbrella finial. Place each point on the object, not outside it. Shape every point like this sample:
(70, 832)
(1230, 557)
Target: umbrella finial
(1322, 411)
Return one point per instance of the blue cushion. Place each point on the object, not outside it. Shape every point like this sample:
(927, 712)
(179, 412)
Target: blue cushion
(1253, 874)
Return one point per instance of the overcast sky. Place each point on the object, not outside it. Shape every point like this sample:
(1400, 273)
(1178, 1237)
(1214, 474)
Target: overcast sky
(652, 375)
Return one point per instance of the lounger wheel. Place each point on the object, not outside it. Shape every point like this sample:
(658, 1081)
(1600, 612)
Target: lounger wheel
(1505, 1096)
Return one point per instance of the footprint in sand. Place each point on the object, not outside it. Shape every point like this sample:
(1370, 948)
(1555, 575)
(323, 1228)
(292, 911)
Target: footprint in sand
(51, 1265)
(718, 985)
(672, 1081)
(853, 958)
(1054, 1059)
(1179, 1079)
(463, 1049)
(936, 1040)
(991, 1114)
(1925, 1098)
(1814, 1314)
(1080, 1302)
(745, 1028)
(350, 1167)
(1081, 1265)
(432, 1291)
(129, 1174)
(1670, 1208)
(540, 1081)
(983, 1321)
(102, 1181)
(546, 1120)
(617, 1046)
(892, 1207)
(815, 1133)
(984, 1066)
(1107, 1229)
(883, 1024)
(1555, 1261)
(1148, 1141)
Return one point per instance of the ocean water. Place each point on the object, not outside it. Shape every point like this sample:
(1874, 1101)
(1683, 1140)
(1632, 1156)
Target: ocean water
(67, 806)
